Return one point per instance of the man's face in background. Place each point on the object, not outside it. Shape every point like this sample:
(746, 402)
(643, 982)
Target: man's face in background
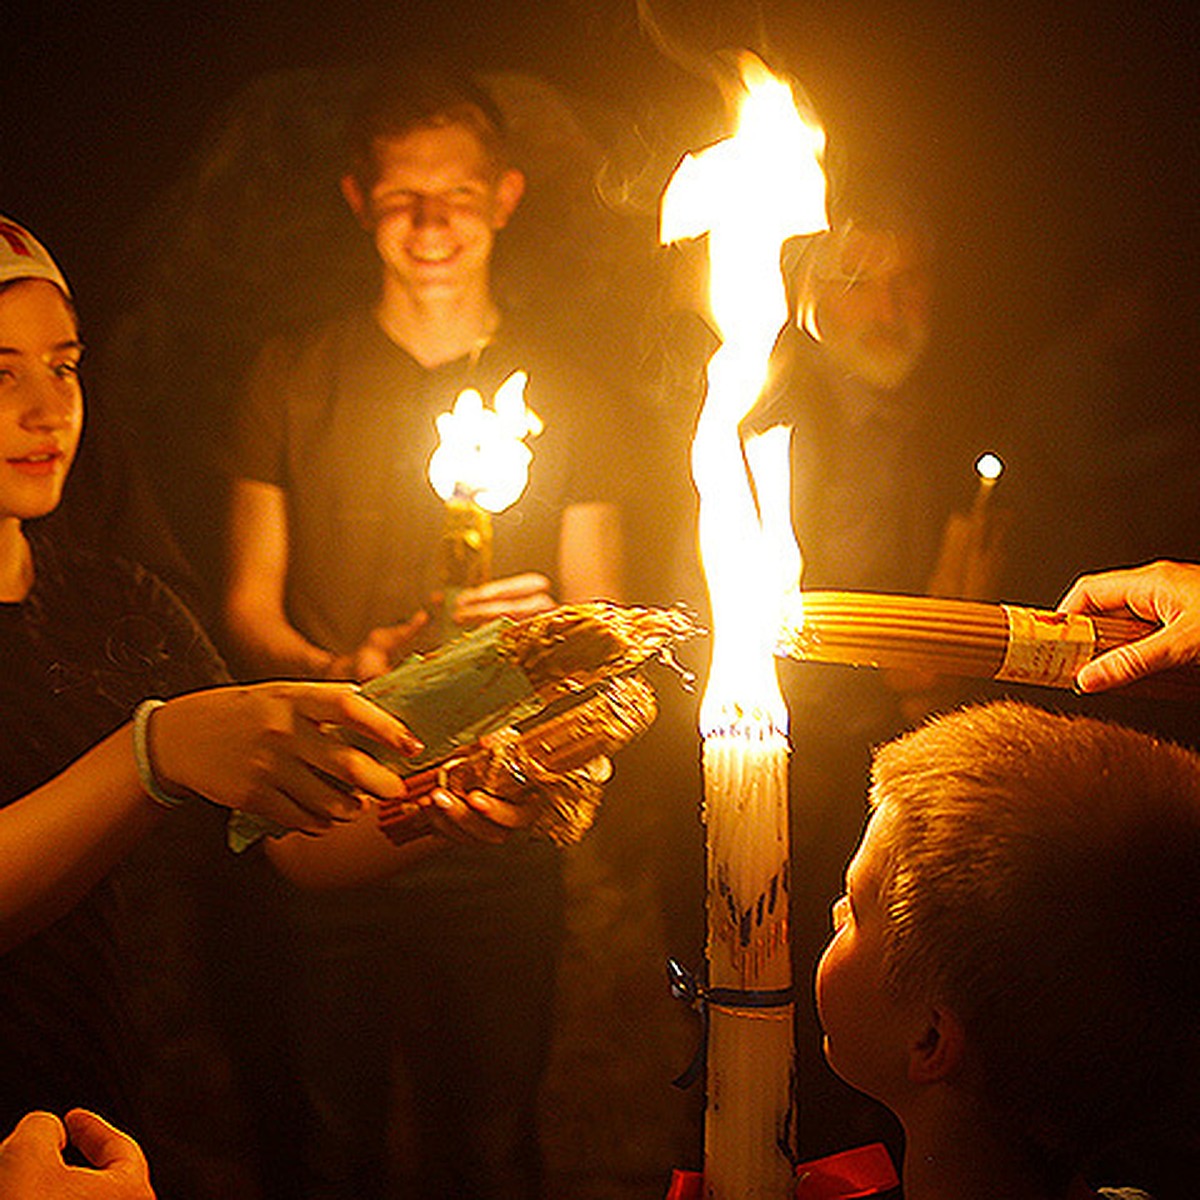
(873, 305)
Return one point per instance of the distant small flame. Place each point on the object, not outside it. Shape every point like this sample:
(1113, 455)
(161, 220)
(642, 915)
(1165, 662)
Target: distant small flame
(482, 455)
(989, 466)
(749, 193)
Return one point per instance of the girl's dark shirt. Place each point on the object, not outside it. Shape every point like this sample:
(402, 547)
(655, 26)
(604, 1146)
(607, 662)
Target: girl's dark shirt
(93, 639)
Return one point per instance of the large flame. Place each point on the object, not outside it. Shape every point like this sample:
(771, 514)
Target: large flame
(482, 455)
(749, 193)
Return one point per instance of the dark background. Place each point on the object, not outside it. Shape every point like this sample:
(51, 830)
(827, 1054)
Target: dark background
(1041, 129)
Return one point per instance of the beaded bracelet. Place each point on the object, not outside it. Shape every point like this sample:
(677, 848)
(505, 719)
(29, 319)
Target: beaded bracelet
(141, 756)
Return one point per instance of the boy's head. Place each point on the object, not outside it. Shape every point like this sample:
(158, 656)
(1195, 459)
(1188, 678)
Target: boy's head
(420, 96)
(1028, 916)
(428, 176)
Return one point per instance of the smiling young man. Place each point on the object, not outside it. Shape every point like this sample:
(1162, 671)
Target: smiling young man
(1014, 968)
(334, 545)
(330, 461)
(433, 200)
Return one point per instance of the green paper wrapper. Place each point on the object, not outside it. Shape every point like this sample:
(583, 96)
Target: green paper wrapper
(453, 696)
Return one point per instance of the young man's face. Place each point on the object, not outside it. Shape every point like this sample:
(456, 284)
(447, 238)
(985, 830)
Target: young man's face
(864, 1027)
(435, 207)
(41, 402)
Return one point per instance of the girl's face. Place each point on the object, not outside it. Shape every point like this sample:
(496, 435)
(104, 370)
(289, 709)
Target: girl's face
(41, 402)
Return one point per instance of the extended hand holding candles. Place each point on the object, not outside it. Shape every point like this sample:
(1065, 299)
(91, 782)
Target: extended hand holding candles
(961, 637)
(523, 709)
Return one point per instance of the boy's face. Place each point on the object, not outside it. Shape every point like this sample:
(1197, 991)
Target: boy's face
(864, 1026)
(41, 402)
(435, 207)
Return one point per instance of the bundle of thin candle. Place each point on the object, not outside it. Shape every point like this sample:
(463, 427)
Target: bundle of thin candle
(558, 762)
(528, 710)
(961, 637)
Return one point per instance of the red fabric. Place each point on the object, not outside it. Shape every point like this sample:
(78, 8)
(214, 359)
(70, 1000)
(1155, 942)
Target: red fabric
(686, 1185)
(865, 1171)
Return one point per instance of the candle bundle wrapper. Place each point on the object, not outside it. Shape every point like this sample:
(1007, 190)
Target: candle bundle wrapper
(963, 637)
(557, 759)
(526, 709)
(522, 708)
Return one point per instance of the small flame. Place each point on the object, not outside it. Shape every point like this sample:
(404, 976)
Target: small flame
(989, 466)
(482, 454)
(749, 193)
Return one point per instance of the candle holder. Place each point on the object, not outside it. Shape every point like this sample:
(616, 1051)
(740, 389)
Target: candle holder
(464, 557)
(480, 467)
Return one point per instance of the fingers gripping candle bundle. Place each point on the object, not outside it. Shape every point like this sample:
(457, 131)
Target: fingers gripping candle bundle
(960, 637)
(559, 761)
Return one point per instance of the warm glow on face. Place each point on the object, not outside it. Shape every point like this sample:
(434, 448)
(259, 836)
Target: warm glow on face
(749, 193)
(482, 454)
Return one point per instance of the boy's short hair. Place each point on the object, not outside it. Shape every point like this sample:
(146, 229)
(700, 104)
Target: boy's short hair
(418, 96)
(1042, 880)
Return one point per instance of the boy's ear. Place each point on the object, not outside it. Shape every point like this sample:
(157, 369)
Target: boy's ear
(354, 197)
(510, 187)
(937, 1052)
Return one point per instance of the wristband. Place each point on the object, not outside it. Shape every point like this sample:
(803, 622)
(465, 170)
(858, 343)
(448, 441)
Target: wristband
(141, 756)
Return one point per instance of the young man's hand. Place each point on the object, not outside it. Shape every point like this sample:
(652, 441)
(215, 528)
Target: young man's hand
(515, 596)
(380, 651)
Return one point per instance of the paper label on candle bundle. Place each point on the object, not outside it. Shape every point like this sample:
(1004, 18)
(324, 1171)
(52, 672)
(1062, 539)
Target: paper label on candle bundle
(1046, 647)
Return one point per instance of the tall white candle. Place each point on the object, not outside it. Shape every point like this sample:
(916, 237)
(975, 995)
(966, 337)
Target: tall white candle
(749, 193)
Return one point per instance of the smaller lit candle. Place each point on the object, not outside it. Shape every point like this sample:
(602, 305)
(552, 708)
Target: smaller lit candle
(482, 453)
(480, 467)
(989, 467)
(971, 542)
